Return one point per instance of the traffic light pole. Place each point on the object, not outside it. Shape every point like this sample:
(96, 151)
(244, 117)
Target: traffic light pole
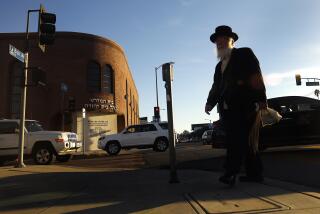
(157, 118)
(308, 83)
(20, 163)
(50, 19)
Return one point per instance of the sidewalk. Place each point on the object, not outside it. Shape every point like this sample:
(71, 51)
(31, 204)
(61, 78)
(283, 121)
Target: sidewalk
(61, 189)
(88, 154)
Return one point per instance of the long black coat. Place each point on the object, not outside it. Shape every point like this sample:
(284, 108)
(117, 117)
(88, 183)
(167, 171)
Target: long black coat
(241, 84)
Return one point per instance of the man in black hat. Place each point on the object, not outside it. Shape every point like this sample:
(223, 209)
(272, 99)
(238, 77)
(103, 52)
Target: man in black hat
(238, 91)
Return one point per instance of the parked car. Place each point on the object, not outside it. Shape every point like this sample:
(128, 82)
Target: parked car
(206, 137)
(299, 124)
(196, 135)
(150, 135)
(41, 145)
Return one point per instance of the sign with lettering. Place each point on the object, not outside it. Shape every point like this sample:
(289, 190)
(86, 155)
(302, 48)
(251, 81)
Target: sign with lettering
(16, 53)
(95, 126)
(100, 104)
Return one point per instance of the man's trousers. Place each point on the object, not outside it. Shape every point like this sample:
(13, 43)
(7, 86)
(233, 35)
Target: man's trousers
(238, 126)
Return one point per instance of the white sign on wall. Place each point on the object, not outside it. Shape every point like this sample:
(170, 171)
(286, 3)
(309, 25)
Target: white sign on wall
(95, 126)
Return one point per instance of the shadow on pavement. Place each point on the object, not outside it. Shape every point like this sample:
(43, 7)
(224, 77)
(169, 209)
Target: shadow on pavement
(295, 165)
(109, 192)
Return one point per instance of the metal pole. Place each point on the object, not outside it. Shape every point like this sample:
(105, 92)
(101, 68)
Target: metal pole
(157, 86)
(172, 150)
(127, 102)
(83, 131)
(20, 163)
(83, 137)
(62, 111)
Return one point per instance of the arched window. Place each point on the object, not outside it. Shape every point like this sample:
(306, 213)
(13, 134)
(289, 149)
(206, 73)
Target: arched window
(93, 77)
(15, 92)
(107, 80)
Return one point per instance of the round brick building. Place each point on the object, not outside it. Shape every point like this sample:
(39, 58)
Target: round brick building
(82, 71)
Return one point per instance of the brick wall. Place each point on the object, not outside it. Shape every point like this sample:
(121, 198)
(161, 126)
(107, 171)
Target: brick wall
(66, 61)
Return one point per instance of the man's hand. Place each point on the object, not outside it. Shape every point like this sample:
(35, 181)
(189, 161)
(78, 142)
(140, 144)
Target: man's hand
(208, 108)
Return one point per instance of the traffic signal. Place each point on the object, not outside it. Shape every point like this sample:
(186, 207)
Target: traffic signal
(298, 79)
(38, 77)
(156, 112)
(46, 28)
(72, 104)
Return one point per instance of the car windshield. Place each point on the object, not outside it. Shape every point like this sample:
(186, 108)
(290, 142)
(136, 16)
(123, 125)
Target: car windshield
(33, 126)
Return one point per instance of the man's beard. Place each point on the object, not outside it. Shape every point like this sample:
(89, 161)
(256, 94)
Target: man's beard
(223, 53)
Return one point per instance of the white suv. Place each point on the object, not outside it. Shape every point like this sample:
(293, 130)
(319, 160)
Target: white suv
(41, 145)
(150, 135)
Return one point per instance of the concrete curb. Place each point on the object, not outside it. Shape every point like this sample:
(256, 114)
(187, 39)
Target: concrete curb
(89, 155)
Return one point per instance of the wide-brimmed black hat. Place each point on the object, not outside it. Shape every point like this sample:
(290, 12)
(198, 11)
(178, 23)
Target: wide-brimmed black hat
(223, 30)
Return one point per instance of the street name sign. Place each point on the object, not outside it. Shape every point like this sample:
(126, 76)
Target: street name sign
(312, 83)
(16, 53)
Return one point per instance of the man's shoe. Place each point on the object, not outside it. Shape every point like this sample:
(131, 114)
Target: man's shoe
(258, 179)
(228, 179)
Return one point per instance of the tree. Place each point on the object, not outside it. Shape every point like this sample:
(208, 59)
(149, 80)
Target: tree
(183, 136)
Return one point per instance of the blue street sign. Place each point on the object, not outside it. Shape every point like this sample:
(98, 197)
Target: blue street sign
(16, 53)
(64, 87)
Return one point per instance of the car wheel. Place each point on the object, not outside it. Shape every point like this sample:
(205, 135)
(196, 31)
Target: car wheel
(113, 148)
(63, 158)
(161, 145)
(43, 155)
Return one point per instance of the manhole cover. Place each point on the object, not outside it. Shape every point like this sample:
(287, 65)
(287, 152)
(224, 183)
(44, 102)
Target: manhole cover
(229, 201)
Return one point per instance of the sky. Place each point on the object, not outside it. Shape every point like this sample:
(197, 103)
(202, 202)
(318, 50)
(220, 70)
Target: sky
(284, 35)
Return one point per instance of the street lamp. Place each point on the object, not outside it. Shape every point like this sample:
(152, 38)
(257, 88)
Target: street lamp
(156, 69)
